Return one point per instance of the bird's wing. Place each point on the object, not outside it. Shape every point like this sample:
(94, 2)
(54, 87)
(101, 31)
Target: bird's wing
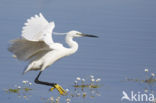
(37, 28)
(26, 50)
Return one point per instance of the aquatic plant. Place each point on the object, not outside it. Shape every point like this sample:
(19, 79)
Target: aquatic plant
(149, 81)
(21, 90)
(82, 88)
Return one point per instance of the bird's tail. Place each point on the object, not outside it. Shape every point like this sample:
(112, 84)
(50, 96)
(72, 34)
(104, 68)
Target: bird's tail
(27, 68)
(32, 66)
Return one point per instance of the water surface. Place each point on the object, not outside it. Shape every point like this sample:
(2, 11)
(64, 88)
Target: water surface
(125, 47)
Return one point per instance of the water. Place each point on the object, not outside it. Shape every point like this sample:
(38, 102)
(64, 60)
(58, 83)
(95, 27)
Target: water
(125, 47)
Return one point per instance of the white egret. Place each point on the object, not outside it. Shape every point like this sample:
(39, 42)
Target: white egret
(37, 46)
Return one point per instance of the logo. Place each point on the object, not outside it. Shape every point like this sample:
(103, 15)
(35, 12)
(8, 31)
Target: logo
(137, 96)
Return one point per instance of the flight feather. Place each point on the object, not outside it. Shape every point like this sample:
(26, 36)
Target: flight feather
(37, 28)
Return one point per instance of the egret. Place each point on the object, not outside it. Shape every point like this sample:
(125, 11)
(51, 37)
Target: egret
(37, 46)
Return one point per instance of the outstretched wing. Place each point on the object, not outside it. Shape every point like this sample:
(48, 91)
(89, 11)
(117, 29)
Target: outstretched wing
(36, 39)
(28, 50)
(37, 28)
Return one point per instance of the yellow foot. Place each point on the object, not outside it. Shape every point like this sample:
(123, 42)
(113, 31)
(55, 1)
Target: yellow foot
(59, 88)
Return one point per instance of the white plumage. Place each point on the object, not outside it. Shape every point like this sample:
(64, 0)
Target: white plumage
(37, 28)
(37, 45)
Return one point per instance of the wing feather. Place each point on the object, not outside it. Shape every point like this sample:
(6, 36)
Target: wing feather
(37, 28)
(36, 39)
(38, 55)
(26, 50)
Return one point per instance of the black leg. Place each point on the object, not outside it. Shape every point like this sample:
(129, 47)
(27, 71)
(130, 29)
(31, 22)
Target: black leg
(42, 82)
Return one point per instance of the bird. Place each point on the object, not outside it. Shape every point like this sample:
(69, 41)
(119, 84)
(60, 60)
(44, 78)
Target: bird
(36, 45)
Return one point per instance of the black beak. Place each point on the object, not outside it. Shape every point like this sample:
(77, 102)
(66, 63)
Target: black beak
(88, 35)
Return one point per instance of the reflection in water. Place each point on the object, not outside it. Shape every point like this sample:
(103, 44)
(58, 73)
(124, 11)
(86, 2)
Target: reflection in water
(82, 88)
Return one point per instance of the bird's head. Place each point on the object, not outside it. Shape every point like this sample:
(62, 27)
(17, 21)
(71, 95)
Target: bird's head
(74, 33)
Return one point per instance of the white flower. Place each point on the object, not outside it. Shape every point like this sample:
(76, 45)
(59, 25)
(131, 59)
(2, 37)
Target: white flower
(25, 81)
(30, 83)
(146, 90)
(153, 74)
(67, 90)
(51, 98)
(19, 87)
(83, 80)
(75, 82)
(92, 80)
(68, 100)
(14, 56)
(146, 70)
(78, 78)
(57, 99)
(91, 76)
(98, 80)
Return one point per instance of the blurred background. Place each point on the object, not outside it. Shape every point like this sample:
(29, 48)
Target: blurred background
(125, 47)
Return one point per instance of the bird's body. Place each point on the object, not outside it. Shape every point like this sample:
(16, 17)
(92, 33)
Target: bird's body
(57, 52)
(37, 46)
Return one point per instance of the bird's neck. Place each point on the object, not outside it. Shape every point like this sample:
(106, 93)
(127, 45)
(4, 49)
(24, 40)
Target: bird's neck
(72, 44)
